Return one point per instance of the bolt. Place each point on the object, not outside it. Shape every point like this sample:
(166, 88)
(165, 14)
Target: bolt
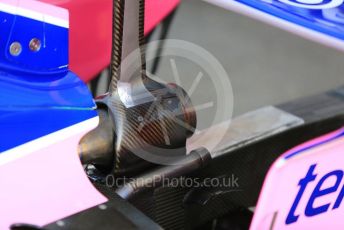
(35, 45)
(15, 49)
(60, 223)
(102, 207)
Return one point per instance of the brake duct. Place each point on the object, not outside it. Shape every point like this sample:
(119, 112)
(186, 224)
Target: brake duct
(138, 114)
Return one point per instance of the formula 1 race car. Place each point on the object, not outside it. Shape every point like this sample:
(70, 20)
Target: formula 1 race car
(134, 157)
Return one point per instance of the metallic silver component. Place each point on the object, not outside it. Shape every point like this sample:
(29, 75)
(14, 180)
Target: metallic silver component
(35, 44)
(15, 49)
(102, 207)
(128, 62)
(134, 93)
(245, 129)
(60, 223)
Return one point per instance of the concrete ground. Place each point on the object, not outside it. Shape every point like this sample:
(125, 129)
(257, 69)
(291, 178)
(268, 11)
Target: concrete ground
(265, 65)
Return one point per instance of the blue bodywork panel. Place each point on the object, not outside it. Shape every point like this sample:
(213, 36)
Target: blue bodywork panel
(53, 55)
(38, 93)
(324, 16)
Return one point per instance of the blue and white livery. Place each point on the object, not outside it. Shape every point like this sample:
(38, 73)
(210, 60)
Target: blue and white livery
(318, 20)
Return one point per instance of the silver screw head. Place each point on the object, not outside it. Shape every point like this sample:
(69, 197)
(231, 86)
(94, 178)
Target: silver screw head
(60, 223)
(15, 49)
(102, 207)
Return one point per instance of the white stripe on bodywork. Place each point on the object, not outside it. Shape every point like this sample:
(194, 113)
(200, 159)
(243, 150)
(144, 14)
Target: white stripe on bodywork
(45, 141)
(280, 23)
(28, 13)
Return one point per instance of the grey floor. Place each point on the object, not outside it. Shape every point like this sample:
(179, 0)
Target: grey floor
(265, 65)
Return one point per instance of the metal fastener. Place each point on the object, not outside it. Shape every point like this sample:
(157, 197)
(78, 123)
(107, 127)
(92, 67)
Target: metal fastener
(15, 49)
(35, 45)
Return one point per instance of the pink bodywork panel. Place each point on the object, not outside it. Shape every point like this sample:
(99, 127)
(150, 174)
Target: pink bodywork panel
(281, 187)
(43, 181)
